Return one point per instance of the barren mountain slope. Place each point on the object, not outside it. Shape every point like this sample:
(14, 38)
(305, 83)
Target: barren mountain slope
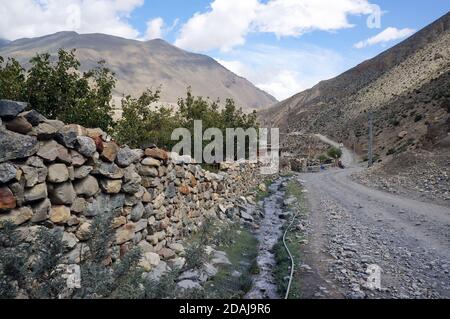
(407, 88)
(140, 65)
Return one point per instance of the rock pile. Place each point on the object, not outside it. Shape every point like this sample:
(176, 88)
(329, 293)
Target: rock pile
(58, 175)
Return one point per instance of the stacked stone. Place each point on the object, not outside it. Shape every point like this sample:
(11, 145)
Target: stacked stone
(58, 175)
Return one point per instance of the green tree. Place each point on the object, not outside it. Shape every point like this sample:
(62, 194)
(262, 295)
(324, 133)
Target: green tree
(12, 79)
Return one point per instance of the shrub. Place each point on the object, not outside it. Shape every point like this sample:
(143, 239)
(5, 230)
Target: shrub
(334, 152)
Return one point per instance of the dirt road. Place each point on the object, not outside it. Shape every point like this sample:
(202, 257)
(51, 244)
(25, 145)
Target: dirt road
(351, 227)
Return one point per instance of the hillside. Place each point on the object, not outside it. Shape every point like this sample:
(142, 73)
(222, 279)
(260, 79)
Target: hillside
(406, 87)
(140, 65)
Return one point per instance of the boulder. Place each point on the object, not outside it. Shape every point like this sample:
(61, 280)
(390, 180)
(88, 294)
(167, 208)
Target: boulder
(19, 125)
(148, 171)
(70, 240)
(68, 134)
(105, 204)
(7, 199)
(110, 151)
(34, 175)
(87, 186)
(86, 146)
(166, 253)
(137, 212)
(15, 146)
(184, 190)
(44, 131)
(125, 233)
(59, 214)
(109, 170)
(157, 153)
(8, 172)
(18, 216)
(111, 186)
(18, 191)
(34, 117)
(127, 156)
(10, 109)
(176, 247)
(84, 231)
(82, 171)
(149, 161)
(149, 260)
(119, 221)
(132, 180)
(36, 193)
(77, 159)
(51, 150)
(402, 134)
(40, 210)
(57, 173)
(61, 194)
(79, 205)
(141, 225)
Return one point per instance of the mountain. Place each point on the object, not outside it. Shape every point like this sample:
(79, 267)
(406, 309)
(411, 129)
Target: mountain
(406, 88)
(3, 42)
(139, 65)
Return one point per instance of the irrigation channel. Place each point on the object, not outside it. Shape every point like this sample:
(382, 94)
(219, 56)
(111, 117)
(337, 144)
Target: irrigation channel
(269, 232)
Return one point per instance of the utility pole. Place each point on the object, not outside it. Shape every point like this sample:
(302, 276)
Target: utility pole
(370, 155)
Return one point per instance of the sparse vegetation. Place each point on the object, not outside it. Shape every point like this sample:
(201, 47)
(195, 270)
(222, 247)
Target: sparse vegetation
(334, 152)
(293, 241)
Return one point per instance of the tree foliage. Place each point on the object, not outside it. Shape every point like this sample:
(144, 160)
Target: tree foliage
(58, 89)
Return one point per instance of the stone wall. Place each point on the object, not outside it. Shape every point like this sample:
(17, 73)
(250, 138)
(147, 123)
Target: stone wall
(56, 175)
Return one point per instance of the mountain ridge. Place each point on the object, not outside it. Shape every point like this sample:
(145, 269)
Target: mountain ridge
(147, 64)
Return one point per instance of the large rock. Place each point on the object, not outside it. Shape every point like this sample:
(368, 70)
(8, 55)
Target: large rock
(18, 216)
(34, 175)
(70, 240)
(110, 151)
(79, 206)
(132, 180)
(16, 146)
(148, 171)
(44, 131)
(86, 146)
(82, 171)
(10, 109)
(18, 190)
(62, 194)
(127, 156)
(59, 214)
(157, 153)
(77, 159)
(34, 117)
(40, 210)
(67, 135)
(84, 231)
(19, 125)
(87, 186)
(8, 172)
(51, 150)
(106, 204)
(36, 193)
(137, 212)
(57, 173)
(149, 260)
(149, 161)
(111, 186)
(109, 170)
(7, 199)
(125, 233)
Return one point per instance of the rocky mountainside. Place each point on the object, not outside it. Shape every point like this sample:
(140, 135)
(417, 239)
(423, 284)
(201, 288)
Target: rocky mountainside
(406, 87)
(140, 65)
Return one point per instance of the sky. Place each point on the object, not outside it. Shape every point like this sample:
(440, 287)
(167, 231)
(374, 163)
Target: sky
(282, 46)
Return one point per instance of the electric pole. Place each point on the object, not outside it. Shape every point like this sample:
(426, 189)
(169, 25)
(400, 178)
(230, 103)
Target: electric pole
(370, 148)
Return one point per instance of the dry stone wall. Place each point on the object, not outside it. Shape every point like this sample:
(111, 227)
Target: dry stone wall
(58, 175)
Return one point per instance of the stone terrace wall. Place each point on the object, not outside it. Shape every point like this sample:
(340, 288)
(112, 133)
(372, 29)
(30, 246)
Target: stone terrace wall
(57, 175)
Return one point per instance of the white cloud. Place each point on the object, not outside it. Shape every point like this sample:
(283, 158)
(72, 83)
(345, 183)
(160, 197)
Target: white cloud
(154, 29)
(284, 72)
(223, 26)
(31, 18)
(226, 23)
(387, 35)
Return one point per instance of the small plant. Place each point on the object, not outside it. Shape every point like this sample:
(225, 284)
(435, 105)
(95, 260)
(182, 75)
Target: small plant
(418, 118)
(334, 152)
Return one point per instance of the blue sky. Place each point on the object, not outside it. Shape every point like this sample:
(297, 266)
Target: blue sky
(282, 46)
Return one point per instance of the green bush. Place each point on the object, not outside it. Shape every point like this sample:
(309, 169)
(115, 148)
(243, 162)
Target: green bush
(59, 91)
(334, 152)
